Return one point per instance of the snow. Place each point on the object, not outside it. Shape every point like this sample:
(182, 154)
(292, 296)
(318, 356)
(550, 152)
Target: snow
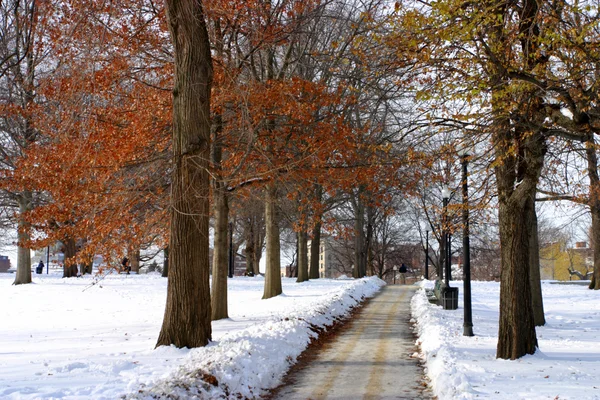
(84, 338)
(566, 365)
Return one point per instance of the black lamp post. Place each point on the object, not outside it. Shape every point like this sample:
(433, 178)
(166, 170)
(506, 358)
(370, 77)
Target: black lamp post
(468, 318)
(426, 254)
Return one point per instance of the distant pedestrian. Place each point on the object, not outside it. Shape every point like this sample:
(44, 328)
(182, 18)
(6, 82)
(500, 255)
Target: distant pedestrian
(40, 267)
(403, 270)
(126, 266)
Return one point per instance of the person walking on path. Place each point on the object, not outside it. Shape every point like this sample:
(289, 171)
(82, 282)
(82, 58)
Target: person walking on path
(370, 358)
(403, 270)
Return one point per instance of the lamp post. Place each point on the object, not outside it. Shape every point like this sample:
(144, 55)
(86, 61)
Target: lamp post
(395, 269)
(468, 317)
(426, 254)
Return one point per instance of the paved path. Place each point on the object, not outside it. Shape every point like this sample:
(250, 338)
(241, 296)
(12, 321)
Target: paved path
(368, 360)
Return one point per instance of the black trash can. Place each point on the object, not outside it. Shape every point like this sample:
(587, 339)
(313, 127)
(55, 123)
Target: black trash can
(450, 298)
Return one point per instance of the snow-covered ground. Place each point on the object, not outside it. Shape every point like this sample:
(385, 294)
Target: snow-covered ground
(69, 339)
(566, 366)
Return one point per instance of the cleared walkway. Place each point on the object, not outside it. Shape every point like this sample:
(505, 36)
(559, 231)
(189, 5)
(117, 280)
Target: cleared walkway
(371, 359)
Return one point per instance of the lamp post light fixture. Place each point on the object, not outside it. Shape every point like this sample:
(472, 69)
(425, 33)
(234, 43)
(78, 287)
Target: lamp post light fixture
(468, 314)
(395, 269)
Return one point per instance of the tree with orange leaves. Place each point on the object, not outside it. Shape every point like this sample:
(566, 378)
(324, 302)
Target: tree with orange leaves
(104, 147)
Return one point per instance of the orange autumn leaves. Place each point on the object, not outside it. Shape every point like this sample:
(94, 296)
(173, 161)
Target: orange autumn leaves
(103, 126)
(102, 161)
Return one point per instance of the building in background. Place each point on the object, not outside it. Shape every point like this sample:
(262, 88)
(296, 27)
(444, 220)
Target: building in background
(559, 262)
(335, 258)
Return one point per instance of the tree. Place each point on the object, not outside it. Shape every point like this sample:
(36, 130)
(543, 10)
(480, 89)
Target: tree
(23, 32)
(470, 52)
(187, 315)
(102, 148)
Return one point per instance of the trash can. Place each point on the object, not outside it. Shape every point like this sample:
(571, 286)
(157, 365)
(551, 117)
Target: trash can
(450, 298)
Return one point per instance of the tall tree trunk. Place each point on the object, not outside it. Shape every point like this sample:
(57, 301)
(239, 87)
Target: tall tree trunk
(70, 251)
(220, 265)
(165, 271)
(134, 260)
(315, 242)
(23, 274)
(302, 256)
(273, 267)
(594, 204)
(315, 245)
(259, 242)
(534, 266)
(360, 256)
(516, 335)
(517, 178)
(187, 316)
(249, 248)
(24, 46)
(595, 281)
(369, 241)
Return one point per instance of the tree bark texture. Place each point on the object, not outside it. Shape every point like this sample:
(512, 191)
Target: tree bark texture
(315, 245)
(253, 232)
(273, 267)
(220, 267)
(249, 248)
(165, 271)
(360, 255)
(23, 275)
(534, 267)
(134, 260)
(517, 178)
(594, 204)
(302, 256)
(369, 241)
(187, 315)
(70, 251)
(520, 151)
(516, 335)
